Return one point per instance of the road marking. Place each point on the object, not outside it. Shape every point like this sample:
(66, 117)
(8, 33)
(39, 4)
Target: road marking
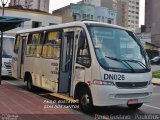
(152, 106)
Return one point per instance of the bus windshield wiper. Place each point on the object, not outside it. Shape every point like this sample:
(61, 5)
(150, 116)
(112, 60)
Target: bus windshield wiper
(139, 62)
(123, 62)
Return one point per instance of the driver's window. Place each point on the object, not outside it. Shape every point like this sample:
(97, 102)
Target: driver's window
(83, 53)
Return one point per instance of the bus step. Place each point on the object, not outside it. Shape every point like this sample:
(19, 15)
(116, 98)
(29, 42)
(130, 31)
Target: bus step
(63, 97)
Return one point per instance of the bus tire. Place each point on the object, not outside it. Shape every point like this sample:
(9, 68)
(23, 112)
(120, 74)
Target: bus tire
(85, 101)
(135, 106)
(30, 86)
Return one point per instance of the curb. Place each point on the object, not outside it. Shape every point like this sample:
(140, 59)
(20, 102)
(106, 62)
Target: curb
(156, 81)
(156, 84)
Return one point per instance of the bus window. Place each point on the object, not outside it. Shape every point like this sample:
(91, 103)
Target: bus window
(34, 45)
(7, 51)
(113, 43)
(83, 55)
(17, 42)
(51, 48)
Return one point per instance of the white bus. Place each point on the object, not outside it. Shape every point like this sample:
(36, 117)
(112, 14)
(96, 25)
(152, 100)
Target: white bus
(8, 43)
(97, 63)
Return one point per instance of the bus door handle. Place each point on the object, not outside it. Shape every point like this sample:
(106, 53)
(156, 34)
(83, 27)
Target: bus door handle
(65, 64)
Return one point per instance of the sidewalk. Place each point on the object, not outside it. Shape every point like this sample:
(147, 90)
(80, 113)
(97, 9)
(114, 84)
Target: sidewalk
(156, 81)
(19, 104)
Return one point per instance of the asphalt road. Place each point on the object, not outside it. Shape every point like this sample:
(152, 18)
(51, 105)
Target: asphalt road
(155, 67)
(115, 113)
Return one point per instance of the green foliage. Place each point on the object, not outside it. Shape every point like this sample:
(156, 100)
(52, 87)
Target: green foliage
(156, 74)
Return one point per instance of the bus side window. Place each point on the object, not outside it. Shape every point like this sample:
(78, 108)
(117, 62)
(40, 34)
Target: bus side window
(51, 48)
(17, 42)
(83, 53)
(34, 45)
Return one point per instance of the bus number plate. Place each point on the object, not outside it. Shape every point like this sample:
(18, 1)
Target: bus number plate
(132, 101)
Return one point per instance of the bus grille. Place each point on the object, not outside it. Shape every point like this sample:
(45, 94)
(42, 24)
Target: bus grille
(7, 64)
(131, 85)
(132, 95)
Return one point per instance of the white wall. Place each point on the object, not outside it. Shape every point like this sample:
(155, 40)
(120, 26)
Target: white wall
(44, 4)
(34, 16)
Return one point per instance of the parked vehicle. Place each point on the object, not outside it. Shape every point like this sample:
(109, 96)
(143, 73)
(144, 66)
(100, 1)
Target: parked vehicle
(155, 60)
(97, 63)
(8, 43)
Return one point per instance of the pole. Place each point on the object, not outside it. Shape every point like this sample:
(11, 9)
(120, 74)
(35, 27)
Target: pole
(1, 48)
(1, 57)
(3, 5)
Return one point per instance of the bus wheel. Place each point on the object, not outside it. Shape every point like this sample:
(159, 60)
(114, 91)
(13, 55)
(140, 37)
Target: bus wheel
(85, 101)
(30, 86)
(135, 106)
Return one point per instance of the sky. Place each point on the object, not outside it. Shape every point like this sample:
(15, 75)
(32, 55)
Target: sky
(142, 12)
(55, 4)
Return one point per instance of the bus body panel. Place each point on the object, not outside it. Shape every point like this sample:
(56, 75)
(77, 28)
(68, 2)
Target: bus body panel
(14, 65)
(43, 75)
(106, 95)
(125, 77)
(81, 75)
(110, 95)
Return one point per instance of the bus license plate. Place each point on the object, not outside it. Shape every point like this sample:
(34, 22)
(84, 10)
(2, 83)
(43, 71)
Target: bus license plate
(132, 101)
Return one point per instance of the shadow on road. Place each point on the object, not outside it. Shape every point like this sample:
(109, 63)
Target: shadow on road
(8, 78)
(116, 110)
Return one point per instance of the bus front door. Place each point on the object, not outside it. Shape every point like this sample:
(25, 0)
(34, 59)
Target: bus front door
(20, 61)
(66, 62)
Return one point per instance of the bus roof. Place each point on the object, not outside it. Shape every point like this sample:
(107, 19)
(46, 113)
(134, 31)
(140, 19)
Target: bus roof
(71, 24)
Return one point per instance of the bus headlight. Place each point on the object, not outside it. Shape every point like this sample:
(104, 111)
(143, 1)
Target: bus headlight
(101, 82)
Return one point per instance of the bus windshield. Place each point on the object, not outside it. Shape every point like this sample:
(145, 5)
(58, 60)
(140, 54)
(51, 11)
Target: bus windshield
(7, 47)
(118, 49)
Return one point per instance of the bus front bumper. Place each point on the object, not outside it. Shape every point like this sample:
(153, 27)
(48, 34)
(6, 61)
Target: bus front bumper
(110, 95)
(6, 72)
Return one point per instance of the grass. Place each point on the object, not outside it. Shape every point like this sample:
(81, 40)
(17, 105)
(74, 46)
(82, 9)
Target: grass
(156, 74)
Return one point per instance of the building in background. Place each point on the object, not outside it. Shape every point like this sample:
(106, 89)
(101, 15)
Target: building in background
(42, 5)
(133, 14)
(121, 8)
(151, 49)
(103, 14)
(82, 11)
(77, 12)
(152, 19)
(37, 19)
(127, 11)
(92, 2)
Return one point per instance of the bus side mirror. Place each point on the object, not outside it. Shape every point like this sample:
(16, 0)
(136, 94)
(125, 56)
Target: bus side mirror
(82, 38)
